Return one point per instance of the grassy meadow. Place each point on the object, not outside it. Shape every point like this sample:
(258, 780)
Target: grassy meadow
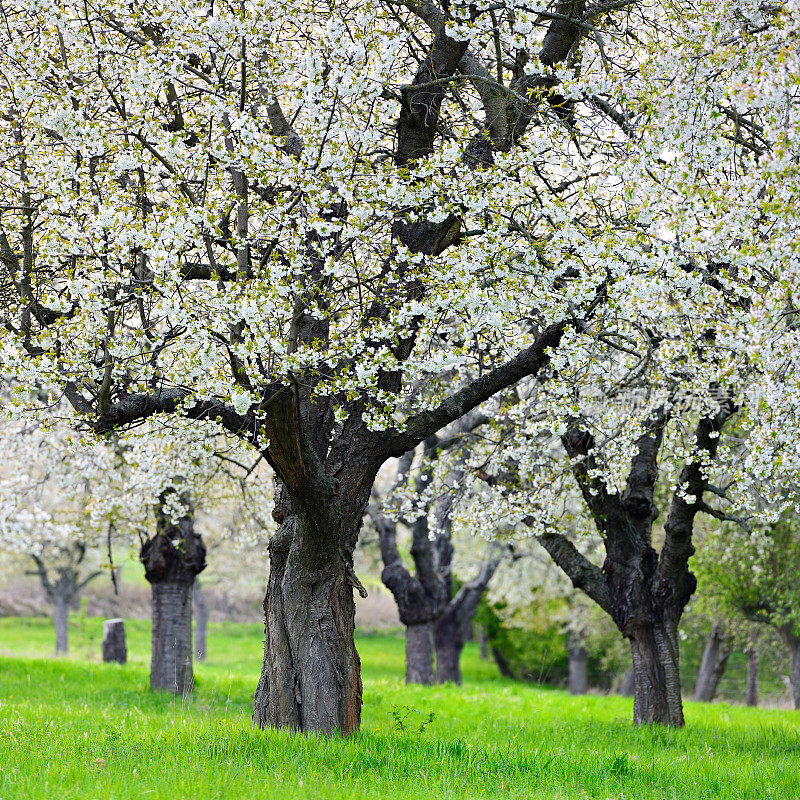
(75, 728)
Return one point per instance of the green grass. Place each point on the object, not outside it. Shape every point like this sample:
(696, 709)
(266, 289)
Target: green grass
(70, 728)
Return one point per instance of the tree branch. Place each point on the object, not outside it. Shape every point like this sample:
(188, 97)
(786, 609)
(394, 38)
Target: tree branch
(425, 423)
(687, 500)
(584, 575)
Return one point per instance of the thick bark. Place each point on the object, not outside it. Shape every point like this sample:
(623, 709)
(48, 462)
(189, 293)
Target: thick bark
(449, 645)
(311, 677)
(578, 681)
(172, 559)
(657, 687)
(419, 654)
(60, 622)
(712, 665)
(171, 640)
(200, 621)
(114, 646)
(751, 691)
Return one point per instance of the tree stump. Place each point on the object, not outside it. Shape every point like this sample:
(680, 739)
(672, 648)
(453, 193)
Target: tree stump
(114, 647)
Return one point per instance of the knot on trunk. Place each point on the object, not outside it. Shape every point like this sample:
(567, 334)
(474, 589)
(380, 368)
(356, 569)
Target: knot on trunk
(577, 441)
(414, 604)
(427, 237)
(640, 506)
(165, 558)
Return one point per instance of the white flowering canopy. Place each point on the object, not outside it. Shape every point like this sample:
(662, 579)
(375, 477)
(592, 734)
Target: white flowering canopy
(59, 490)
(182, 181)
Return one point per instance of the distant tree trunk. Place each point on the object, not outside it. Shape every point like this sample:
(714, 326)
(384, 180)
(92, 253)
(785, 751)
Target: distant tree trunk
(502, 663)
(172, 559)
(483, 643)
(792, 641)
(171, 642)
(577, 662)
(200, 621)
(114, 647)
(60, 622)
(626, 686)
(712, 665)
(751, 692)
(449, 645)
(459, 613)
(420, 597)
(63, 589)
(419, 654)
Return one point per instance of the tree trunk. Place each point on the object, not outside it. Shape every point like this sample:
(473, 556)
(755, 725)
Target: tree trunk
(712, 665)
(793, 643)
(172, 559)
(502, 664)
(114, 647)
(627, 684)
(578, 660)
(751, 693)
(200, 621)
(171, 641)
(419, 654)
(483, 643)
(311, 677)
(657, 688)
(449, 645)
(60, 622)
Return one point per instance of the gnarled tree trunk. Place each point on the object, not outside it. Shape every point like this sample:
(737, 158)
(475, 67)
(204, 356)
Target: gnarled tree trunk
(172, 559)
(712, 665)
(420, 597)
(459, 613)
(751, 691)
(200, 621)
(643, 591)
(311, 677)
(656, 676)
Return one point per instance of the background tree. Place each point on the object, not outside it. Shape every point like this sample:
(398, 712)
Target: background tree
(46, 490)
(173, 477)
(435, 615)
(756, 572)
